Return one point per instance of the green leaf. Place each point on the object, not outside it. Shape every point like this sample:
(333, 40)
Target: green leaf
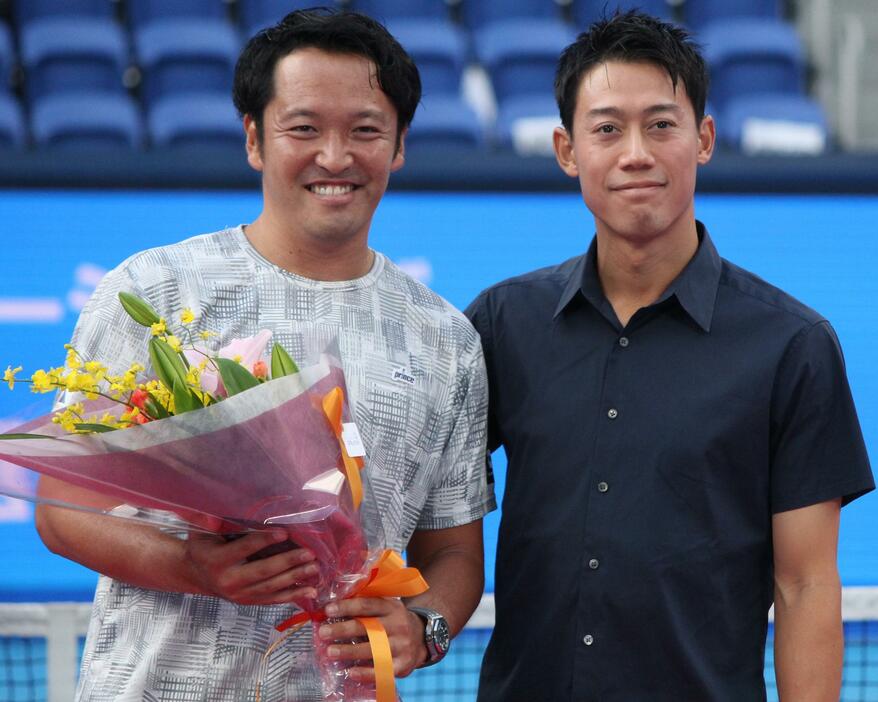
(184, 399)
(166, 363)
(281, 362)
(95, 428)
(235, 377)
(154, 409)
(26, 436)
(138, 309)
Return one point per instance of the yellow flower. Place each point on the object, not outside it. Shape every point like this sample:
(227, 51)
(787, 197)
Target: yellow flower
(159, 328)
(72, 381)
(174, 343)
(237, 358)
(72, 359)
(99, 370)
(187, 317)
(9, 375)
(42, 382)
(206, 334)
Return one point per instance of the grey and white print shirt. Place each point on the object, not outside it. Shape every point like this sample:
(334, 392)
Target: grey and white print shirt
(416, 379)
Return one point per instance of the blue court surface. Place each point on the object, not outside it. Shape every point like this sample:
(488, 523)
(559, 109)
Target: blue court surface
(58, 244)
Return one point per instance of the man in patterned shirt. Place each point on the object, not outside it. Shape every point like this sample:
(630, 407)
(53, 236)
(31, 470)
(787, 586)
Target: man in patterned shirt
(326, 99)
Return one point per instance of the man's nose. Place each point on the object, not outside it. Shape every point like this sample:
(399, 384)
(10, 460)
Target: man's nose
(636, 153)
(334, 155)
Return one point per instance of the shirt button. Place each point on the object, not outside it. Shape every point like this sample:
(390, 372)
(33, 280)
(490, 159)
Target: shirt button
(594, 563)
(623, 341)
(588, 639)
(603, 487)
(613, 413)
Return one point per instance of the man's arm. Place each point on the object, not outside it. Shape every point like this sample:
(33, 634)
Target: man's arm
(808, 638)
(145, 556)
(453, 564)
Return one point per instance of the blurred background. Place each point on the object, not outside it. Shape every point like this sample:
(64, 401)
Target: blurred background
(117, 133)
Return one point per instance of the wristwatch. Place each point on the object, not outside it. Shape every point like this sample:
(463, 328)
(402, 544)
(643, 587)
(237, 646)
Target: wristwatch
(436, 635)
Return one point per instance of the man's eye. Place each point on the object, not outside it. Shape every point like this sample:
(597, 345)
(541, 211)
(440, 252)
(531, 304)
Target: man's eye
(606, 129)
(302, 128)
(663, 124)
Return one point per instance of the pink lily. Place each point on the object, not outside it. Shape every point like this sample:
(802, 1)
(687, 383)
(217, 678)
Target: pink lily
(250, 350)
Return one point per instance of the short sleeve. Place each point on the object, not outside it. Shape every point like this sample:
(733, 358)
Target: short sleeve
(462, 492)
(818, 452)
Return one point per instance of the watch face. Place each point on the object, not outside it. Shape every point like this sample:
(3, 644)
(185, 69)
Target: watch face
(441, 638)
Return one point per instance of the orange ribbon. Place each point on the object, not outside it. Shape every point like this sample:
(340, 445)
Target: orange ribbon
(389, 578)
(333, 402)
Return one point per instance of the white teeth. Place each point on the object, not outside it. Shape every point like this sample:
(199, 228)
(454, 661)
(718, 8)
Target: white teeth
(331, 189)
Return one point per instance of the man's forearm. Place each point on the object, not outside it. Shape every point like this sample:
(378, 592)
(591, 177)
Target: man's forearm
(808, 642)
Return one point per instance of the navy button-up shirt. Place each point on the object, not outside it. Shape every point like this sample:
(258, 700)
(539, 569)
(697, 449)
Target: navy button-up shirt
(644, 465)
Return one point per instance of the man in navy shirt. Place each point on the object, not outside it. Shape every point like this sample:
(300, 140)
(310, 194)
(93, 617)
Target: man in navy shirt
(680, 434)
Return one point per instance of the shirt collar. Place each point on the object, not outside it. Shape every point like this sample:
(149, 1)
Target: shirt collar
(694, 289)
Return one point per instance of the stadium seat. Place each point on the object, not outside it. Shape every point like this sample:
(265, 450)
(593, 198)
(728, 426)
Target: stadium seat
(258, 14)
(587, 11)
(143, 12)
(195, 119)
(784, 124)
(445, 121)
(73, 54)
(750, 56)
(25, 11)
(520, 56)
(526, 124)
(86, 121)
(389, 10)
(700, 13)
(479, 13)
(438, 48)
(7, 57)
(12, 131)
(182, 55)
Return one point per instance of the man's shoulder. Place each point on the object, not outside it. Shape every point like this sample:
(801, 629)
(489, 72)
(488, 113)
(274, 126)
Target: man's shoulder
(194, 251)
(747, 288)
(542, 286)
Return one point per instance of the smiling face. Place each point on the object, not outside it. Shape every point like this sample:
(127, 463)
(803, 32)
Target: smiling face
(635, 148)
(328, 146)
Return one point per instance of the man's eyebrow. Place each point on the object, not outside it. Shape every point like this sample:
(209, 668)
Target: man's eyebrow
(295, 112)
(651, 110)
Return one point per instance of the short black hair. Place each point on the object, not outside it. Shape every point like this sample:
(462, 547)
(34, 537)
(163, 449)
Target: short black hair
(631, 37)
(333, 31)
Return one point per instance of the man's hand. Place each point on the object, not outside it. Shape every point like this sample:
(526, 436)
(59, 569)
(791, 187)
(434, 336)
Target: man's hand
(405, 631)
(221, 568)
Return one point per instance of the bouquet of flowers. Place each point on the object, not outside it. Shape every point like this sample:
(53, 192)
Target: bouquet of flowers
(224, 443)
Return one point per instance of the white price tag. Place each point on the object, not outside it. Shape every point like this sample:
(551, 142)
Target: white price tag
(353, 442)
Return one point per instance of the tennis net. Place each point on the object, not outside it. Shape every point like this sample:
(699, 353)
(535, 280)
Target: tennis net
(40, 647)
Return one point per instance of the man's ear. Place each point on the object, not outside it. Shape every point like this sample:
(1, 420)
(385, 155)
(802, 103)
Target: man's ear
(563, 145)
(254, 143)
(706, 139)
(399, 157)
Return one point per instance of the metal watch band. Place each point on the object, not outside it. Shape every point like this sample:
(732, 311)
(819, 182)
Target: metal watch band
(437, 637)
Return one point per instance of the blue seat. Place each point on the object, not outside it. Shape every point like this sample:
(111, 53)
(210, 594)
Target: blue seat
(143, 12)
(389, 10)
(479, 13)
(258, 14)
(12, 130)
(182, 55)
(7, 57)
(438, 48)
(520, 56)
(195, 119)
(751, 56)
(445, 121)
(527, 122)
(73, 54)
(699, 13)
(86, 121)
(587, 11)
(24, 11)
(792, 124)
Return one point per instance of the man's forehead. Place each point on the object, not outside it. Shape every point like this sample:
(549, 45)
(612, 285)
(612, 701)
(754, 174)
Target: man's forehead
(644, 81)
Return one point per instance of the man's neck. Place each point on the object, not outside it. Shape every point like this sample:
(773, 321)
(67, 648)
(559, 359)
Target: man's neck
(312, 258)
(634, 273)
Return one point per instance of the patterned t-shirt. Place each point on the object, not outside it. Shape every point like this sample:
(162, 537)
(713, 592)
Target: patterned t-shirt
(415, 374)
